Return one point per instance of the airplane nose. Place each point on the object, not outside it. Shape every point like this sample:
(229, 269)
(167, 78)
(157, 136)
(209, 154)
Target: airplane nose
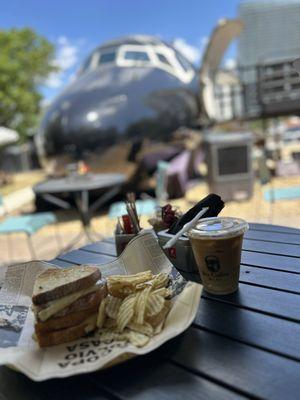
(76, 125)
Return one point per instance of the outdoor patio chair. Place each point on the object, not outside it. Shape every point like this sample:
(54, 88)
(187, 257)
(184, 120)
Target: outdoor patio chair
(28, 224)
(178, 175)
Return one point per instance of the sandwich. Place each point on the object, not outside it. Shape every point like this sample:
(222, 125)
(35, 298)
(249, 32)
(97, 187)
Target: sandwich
(66, 303)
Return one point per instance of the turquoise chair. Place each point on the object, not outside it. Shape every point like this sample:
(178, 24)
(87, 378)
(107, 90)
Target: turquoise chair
(147, 206)
(143, 207)
(27, 224)
(287, 193)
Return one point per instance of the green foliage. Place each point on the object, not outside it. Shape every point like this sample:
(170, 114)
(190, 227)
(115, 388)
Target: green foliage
(25, 61)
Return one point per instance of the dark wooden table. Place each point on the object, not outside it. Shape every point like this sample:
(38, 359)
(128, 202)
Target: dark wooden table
(244, 345)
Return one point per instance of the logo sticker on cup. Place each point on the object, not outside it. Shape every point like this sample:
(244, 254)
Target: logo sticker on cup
(212, 263)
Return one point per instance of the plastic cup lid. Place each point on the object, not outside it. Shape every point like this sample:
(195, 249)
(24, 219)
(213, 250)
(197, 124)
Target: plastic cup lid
(218, 228)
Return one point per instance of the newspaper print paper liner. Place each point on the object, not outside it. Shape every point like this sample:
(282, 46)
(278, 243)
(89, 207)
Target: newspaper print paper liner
(88, 354)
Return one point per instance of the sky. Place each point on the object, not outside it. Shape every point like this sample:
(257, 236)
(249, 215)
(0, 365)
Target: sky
(76, 27)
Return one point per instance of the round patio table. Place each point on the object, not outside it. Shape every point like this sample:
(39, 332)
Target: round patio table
(80, 187)
(241, 346)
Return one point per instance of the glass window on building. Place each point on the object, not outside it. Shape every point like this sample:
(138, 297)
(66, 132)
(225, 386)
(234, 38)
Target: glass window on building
(136, 56)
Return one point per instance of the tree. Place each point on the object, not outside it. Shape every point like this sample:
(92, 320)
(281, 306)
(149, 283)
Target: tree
(25, 61)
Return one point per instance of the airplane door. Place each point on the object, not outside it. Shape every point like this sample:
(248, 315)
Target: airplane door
(221, 37)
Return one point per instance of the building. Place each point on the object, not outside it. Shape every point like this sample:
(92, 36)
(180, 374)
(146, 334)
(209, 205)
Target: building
(267, 46)
(271, 31)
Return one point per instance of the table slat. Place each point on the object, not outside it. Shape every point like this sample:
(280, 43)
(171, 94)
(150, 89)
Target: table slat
(252, 371)
(61, 263)
(291, 250)
(273, 228)
(277, 303)
(273, 237)
(143, 378)
(101, 247)
(250, 327)
(17, 386)
(272, 279)
(85, 257)
(271, 261)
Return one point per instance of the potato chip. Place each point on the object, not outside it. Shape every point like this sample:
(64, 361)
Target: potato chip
(141, 303)
(138, 339)
(136, 278)
(154, 305)
(157, 281)
(135, 308)
(123, 285)
(161, 280)
(110, 323)
(109, 335)
(158, 328)
(101, 314)
(161, 316)
(112, 306)
(164, 292)
(126, 312)
(145, 328)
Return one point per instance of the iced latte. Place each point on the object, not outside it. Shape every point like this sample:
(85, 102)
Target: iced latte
(217, 246)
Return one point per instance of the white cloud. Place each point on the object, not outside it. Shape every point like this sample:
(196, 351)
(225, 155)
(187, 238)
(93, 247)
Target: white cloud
(230, 63)
(67, 53)
(54, 80)
(67, 56)
(203, 42)
(192, 53)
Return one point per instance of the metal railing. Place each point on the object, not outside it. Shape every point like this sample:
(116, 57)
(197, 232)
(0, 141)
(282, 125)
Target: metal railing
(262, 91)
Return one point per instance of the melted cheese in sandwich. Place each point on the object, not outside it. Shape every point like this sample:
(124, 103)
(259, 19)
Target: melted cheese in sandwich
(59, 304)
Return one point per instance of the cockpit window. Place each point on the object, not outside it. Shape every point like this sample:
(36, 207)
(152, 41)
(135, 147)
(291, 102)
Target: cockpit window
(183, 62)
(136, 56)
(107, 57)
(162, 58)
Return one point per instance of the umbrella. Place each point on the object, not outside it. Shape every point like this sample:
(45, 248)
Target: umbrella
(8, 136)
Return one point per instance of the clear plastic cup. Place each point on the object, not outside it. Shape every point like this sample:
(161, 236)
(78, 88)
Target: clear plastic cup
(217, 246)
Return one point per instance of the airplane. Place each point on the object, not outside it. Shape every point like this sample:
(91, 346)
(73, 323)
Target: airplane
(128, 97)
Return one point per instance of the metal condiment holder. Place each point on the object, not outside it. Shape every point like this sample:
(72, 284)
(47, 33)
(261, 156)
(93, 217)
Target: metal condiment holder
(181, 254)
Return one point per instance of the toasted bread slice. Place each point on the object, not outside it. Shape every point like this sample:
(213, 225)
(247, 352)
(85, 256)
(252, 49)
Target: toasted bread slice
(55, 283)
(46, 339)
(73, 319)
(83, 303)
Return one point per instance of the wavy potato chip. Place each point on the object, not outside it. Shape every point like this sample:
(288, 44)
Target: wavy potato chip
(101, 317)
(154, 305)
(141, 303)
(164, 292)
(156, 319)
(135, 308)
(158, 328)
(123, 285)
(112, 306)
(126, 312)
(145, 328)
(158, 281)
(138, 339)
(110, 323)
(109, 335)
